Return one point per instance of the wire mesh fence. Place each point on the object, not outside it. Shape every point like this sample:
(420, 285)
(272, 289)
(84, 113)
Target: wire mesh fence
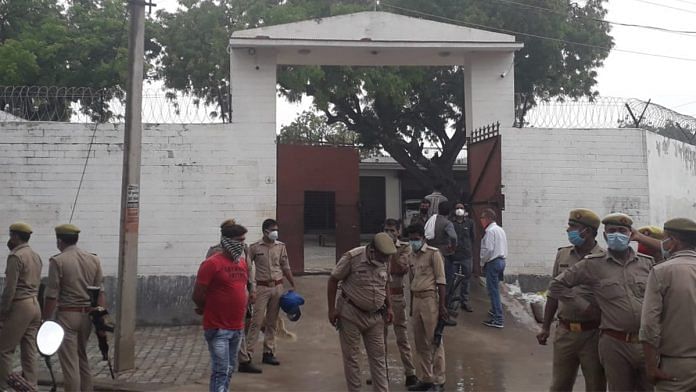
(87, 105)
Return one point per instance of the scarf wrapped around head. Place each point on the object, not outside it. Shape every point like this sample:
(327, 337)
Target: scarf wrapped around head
(232, 247)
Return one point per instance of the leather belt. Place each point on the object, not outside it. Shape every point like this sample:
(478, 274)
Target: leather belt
(396, 290)
(269, 283)
(424, 294)
(627, 337)
(579, 326)
(77, 309)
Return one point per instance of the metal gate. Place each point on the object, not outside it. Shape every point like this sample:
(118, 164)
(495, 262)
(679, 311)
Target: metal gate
(484, 166)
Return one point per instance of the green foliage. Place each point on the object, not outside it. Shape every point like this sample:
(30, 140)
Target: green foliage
(65, 43)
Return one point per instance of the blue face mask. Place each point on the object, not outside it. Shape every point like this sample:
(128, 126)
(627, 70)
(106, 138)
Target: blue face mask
(617, 241)
(416, 245)
(575, 238)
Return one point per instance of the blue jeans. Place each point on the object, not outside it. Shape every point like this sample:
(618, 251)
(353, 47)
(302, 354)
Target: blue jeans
(223, 345)
(464, 266)
(494, 269)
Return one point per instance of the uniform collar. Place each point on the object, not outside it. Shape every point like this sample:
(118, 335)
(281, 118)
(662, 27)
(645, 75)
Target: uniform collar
(595, 249)
(20, 246)
(684, 253)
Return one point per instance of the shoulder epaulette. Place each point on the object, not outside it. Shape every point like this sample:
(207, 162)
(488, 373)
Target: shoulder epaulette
(355, 251)
(565, 247)
(595, 255)
(430, 247)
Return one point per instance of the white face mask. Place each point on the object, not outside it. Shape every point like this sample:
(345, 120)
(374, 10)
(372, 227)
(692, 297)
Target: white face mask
(460, 212)
(273, 235)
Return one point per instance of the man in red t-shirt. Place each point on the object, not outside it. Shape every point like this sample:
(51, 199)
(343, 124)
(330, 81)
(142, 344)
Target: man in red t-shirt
(220, 294)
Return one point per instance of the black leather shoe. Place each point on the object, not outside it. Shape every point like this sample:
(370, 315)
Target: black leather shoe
(450, 322)
(437, 388)
(247, 367)
(270, 359)
(467, 307)
(411, 380)
(421, 386)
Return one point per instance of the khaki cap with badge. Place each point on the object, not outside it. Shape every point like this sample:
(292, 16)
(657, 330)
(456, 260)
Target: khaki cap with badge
(20, 227)
(584, 217)
(618, 219)
(384, 243)
(682, 225)
(67, 228)
(652, 231)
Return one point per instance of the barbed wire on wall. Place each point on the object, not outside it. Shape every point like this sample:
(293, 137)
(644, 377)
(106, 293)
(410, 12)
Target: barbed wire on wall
(600, 112)
(87, 105)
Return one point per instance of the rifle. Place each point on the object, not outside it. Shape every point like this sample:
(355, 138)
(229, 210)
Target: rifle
(97, 314)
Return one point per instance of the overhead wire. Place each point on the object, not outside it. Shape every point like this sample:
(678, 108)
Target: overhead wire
(543, 37)
(550, 10)
(96, 123)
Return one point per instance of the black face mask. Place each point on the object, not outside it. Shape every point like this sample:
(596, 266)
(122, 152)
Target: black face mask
(9, 244)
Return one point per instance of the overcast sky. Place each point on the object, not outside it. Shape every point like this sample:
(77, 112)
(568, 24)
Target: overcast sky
(668, 82)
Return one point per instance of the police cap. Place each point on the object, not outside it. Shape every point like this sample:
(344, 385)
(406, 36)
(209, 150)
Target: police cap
(618, 219)
(20, 227)
(384, 243)
(67, 228)
(682, 225)
(584, 217)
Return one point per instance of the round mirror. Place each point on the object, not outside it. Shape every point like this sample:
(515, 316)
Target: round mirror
(49, 337)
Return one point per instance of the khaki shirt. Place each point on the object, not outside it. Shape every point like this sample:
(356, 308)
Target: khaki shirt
(570, 309)
(399, 262)
(363, 281)
(426, 269)
(69, 275)
(22, 277)
(270, 260)
(668, 321)
(618, 288)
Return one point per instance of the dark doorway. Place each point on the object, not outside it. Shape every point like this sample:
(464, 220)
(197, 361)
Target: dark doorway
(319, 212)
(373, 205)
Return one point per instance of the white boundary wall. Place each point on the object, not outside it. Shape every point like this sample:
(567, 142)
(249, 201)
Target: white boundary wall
(548, 172)
(193, 177)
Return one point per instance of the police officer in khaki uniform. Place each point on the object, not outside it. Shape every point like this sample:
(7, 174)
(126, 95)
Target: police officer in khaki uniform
(362, 308)
(70, 273)
(244, 367)
(20, 315)
(427, 275)
(617, 279)
(577, 333)
(398, 267)
(271, 260)
(669, 311)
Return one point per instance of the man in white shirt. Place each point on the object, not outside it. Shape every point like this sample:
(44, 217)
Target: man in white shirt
(493, 254)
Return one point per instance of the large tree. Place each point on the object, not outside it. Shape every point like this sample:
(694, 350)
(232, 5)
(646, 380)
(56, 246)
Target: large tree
(400, 109)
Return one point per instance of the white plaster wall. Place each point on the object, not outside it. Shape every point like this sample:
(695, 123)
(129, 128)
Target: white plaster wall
(672, 172)
(193, 177)
(489, 97)
(548, 172)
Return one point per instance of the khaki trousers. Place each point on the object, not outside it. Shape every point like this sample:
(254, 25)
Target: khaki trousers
(401, 331)
(624, 365)
(683, 369)
(371, 330)
(20, 328)
(430, 362)
(572, 350)
(266, 308)
(72, 354)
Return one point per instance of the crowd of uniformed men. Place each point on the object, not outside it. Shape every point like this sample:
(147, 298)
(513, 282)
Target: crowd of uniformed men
(626, 318)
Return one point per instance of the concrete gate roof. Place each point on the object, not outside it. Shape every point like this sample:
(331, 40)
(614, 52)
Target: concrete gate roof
(373, 38)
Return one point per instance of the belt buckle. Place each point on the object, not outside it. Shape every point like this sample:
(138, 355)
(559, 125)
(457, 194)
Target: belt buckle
(575, 327)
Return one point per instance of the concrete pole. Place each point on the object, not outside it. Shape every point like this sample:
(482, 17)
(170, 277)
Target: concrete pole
(124, 356)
